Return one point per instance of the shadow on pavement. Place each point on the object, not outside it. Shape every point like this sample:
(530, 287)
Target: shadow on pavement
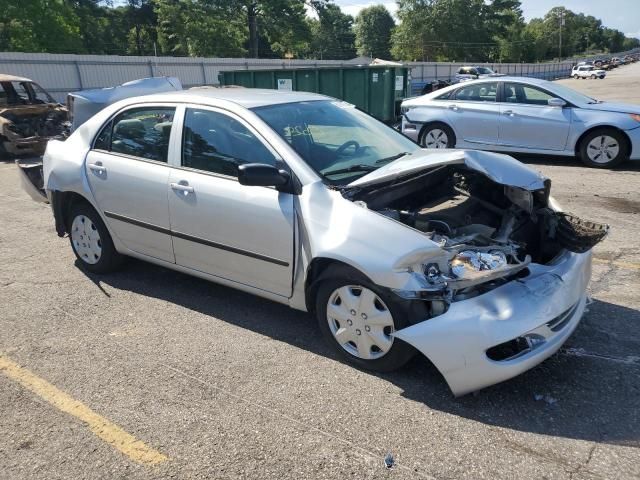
(553, 160)
(583, 397)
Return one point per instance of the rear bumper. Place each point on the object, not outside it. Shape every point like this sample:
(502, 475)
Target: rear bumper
(545, 306)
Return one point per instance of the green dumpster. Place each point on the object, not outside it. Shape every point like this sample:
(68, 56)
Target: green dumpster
(377, 90)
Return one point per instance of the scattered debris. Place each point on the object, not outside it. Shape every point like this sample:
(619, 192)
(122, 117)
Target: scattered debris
(549, 400)
(389, 462)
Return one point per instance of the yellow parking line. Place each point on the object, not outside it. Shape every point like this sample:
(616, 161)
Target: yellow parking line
(617, 263)
(100, 426)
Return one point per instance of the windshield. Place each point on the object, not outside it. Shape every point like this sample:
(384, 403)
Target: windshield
(484, 71)
(571, 95)
(335, 139)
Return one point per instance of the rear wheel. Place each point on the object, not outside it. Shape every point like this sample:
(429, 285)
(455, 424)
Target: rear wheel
(358, 320)
(593, 77)
(604, 148)
(90, 240)
(437, 135)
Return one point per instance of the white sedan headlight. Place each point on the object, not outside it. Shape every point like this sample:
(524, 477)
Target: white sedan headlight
(469, 264)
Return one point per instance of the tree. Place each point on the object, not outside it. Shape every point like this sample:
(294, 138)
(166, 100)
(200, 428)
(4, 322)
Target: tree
(332, 34)
(373, 32)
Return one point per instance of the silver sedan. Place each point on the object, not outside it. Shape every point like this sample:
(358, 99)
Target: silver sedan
(514, 114)
(304, 200)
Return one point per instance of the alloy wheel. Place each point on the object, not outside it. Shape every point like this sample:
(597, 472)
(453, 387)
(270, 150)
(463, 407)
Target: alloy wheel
(435, 138)
(603, 149)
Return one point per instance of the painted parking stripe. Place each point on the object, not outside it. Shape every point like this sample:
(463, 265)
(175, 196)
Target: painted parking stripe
(107, 431)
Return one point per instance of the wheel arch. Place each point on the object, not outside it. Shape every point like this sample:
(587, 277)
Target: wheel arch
(62, 202)
(321, 268)
(576, 147)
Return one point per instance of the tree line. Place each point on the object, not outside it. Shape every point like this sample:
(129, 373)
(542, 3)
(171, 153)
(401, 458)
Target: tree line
(426, 30)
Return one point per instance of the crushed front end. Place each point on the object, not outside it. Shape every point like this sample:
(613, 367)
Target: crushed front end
(26, 129)
(510, 284)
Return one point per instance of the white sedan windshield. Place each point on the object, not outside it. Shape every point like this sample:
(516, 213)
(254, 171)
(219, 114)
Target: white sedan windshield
(335, 139)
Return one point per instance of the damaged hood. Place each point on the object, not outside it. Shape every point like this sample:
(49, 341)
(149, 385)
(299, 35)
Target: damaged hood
(500, 168)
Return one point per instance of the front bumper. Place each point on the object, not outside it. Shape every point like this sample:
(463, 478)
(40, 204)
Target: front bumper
(410, 129)
(457, 341)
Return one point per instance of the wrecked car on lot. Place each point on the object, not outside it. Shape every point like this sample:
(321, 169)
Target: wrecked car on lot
(462, 256)
(29, 117)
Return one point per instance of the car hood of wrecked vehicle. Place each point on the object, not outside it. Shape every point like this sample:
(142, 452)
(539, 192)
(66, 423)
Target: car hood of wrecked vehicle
(500, 168)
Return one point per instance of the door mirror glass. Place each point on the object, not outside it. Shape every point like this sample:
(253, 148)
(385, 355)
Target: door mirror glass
(262, 175)
(556, 102)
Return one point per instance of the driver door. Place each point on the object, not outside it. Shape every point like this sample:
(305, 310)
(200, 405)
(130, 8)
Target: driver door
(240, 233)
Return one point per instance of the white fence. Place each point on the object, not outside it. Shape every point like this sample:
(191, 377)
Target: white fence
(62, 73)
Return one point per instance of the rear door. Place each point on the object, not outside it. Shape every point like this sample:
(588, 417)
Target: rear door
(237, 232)
(128, 175)
(528, 122)
(473, 112)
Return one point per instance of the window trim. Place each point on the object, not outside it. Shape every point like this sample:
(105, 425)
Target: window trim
(134, 107)
(234, 116)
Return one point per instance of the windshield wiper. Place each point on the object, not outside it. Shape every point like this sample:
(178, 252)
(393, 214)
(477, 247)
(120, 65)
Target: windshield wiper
(392, 158)
(361, 167)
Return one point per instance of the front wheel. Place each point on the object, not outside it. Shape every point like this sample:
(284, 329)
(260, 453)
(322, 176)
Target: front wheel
(90, 240)
(576, 76)
(359, 320)
(604, 148)
(437, 135)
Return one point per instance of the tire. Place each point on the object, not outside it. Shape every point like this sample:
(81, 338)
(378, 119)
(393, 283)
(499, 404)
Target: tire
(616, 151)
(576, 76)
(90, 240)
(437, 135)
(593, 77)
(365, 327)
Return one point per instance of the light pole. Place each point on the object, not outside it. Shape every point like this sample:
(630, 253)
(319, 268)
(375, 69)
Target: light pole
(561, 21)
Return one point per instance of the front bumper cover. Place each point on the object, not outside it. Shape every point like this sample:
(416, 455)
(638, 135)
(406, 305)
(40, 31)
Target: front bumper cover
(456, 342)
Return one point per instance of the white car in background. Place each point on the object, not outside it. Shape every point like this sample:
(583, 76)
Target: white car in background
(304, 200)
(527, 115)
(587, 71)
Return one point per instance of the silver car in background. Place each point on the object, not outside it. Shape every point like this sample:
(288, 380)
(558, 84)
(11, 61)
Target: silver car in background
(304, 200)
(514, 114)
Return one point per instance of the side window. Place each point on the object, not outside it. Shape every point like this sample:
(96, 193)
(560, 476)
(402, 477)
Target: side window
(141, 132)
(478, 92)
(217, 143)
(515, 93)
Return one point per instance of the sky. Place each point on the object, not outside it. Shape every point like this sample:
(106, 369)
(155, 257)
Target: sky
(623, 15)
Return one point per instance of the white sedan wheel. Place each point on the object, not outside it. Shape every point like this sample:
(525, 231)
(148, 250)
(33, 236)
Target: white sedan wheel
(360, 322)
(86, 239)
(603, 149)
(435, 138)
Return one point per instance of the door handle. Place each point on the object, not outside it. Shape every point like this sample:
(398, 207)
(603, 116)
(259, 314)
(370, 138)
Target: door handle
(97, 167)
(183, 186)
(453, 107)
(509, 113)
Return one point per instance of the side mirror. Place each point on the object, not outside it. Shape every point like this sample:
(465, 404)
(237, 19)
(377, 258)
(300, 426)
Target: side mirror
(556, 102)
(262, 175)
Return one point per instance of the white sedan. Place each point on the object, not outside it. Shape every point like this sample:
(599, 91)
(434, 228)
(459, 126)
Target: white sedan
(304, 200)
(514, 114)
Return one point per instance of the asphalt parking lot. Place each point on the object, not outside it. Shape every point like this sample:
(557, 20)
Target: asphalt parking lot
(148, 373)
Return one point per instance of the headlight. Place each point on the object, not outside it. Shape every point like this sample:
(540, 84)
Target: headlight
(635, 117)
(469, 264)
(404, 110)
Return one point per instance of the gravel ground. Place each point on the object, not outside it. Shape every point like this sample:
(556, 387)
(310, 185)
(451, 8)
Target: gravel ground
(227, 385)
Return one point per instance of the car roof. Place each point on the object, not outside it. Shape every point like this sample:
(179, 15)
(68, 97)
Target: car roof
(246, 97)
(530, 80)
(12, 78)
